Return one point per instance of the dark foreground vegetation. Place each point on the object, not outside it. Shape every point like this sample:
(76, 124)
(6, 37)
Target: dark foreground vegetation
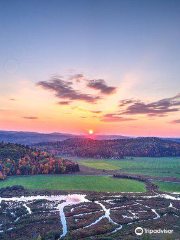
(119, 148)
(103, 217)
(17, 159)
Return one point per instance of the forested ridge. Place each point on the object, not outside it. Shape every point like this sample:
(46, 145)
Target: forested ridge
(119, 148)
(16, 159)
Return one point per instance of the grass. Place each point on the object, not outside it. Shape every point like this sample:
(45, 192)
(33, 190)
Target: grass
(69, 182)
(166, 166)
(168, 187)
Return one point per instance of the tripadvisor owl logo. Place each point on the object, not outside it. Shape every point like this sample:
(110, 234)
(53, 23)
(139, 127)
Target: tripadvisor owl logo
(138, 231)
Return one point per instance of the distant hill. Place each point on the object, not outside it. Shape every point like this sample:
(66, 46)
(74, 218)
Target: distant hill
(109, 137)
(174, 139)
(30, 138)
(17, 159)
(119, 148)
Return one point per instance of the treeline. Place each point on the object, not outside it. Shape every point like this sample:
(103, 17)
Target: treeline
(16, 159)
(149, 185)
(136, 147)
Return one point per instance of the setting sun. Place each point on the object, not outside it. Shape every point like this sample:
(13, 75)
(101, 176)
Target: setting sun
(91, 132)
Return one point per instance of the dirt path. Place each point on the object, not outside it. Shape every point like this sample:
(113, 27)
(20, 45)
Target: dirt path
(84, 170)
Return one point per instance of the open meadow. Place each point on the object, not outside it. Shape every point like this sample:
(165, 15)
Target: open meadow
(168, 186)
(159, 167)
(69, 182)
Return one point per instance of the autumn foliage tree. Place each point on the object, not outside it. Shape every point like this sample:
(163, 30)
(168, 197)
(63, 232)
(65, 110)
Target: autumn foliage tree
(17, 159)
(117, 148)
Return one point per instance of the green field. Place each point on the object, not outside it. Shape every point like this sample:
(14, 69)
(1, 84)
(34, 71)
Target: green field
(166, 166)
(168, 187)
(69, 182)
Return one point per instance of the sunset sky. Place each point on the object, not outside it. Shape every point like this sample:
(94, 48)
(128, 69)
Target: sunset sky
(75, 65)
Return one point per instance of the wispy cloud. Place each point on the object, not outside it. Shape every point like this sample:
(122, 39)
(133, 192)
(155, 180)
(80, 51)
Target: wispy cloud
(175, 121)
(31, 118)
(102, 86)
(64, 102)
(86, 110)
(12, 99)
(159, 108)
(77, 77)
(66, 89)
(97, 112)
(125, 102)
(115, 118)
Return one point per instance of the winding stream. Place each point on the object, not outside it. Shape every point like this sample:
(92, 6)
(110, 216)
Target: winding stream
(61, 201)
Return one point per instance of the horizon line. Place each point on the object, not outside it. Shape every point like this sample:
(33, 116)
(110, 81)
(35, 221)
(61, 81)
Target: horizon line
(79, 134)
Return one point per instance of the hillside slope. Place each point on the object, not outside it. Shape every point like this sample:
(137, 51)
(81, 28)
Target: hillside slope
(139, 147)
(17, 159)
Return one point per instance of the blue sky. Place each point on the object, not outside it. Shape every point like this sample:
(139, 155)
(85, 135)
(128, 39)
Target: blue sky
(133, 45)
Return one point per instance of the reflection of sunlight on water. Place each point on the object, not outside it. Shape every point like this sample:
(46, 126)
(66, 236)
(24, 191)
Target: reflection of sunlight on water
(76, 198)
(62, 200)
(70, 200)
